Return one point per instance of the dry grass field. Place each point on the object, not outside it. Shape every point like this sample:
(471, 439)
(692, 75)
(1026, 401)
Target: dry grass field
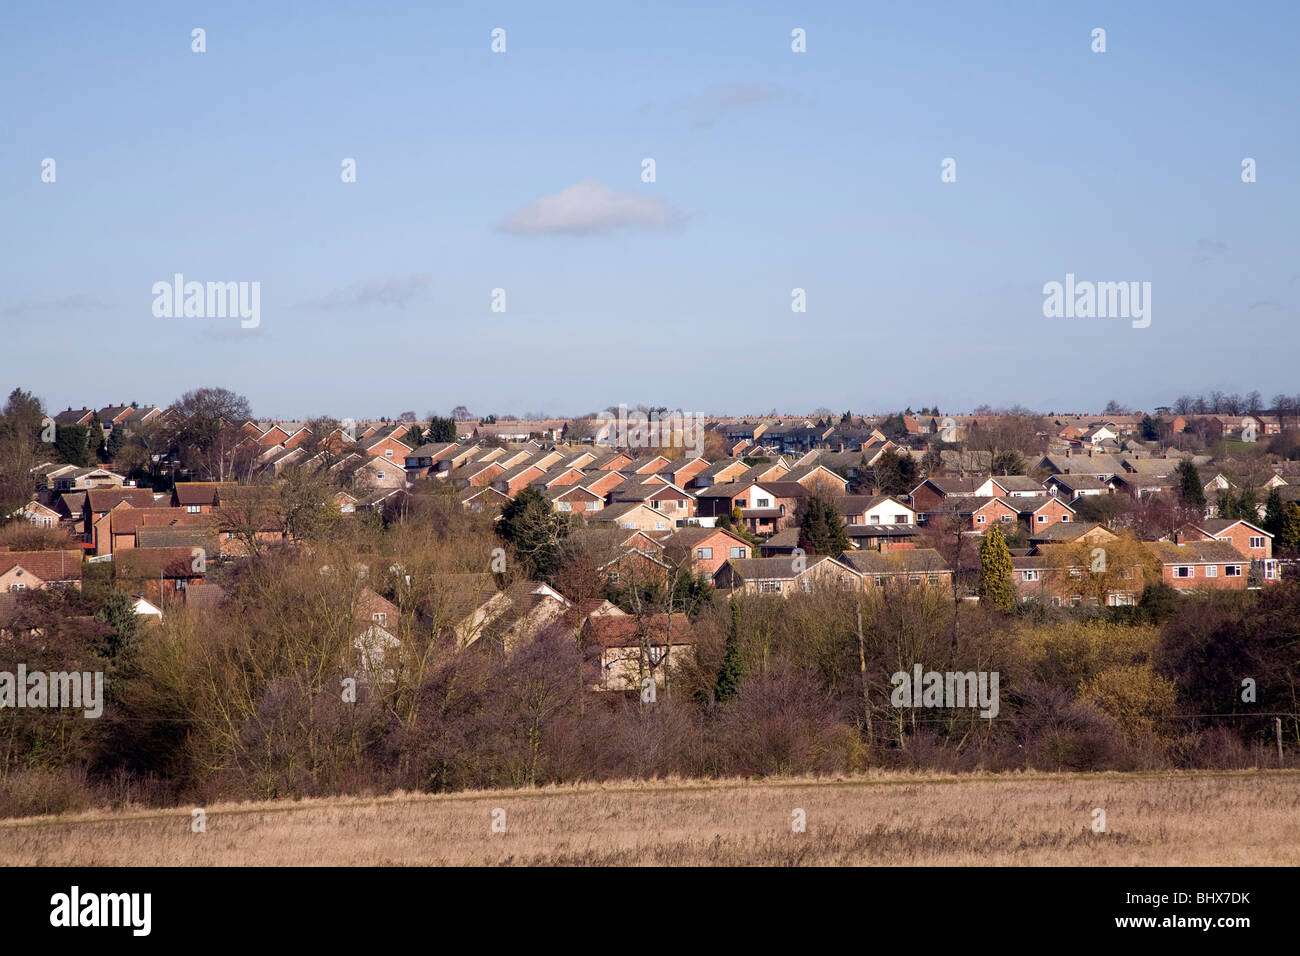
(1202, 818)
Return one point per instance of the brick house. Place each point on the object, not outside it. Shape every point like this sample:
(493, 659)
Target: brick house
(706, 549)
(1250, 541)
(38, 570)
(1197, 565)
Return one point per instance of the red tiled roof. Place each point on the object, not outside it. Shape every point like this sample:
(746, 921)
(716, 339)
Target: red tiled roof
(613, 631)
(49, 566)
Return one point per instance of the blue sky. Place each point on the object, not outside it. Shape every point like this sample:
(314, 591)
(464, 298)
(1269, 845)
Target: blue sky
(774, 170)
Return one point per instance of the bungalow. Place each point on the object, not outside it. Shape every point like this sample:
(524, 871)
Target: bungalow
(786, 576)
(782, 543)
(882, 537)
(914, 566)
(83, 479)
(38, 570)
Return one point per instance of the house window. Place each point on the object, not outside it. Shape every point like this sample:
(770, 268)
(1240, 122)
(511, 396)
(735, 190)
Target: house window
(1183, 572)
(875, 519)
(1064, 518)
(1256, 542)
(1075, 600)
(704, 554)
(1076, 573)
(1030, 575)
(654, 504)
(1120, 598)
(979, 519)
(388, 453)
(563, 506)
(880, 580)
(660, 525)
(380, 618)
(769, 587)
(1042, 519)
(1056, 602)
(855, 519)
(807, 585)
(914, 579)
(737, 552)
(762, 502)
(17, 587)
(900, 519)
(1232, 570)
(1211, 571)
(194, 509)
(592, 505)
(740, 503)
(932, 579)
(1006, 517)
(379, 474)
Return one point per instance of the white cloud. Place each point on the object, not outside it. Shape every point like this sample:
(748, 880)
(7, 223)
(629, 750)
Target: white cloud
(589, 208)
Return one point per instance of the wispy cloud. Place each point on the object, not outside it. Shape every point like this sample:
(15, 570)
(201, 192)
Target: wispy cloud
(1266, 304)
(78, 302)
(394, 291)
(714, 105)
(589, 208)
(1208, 250)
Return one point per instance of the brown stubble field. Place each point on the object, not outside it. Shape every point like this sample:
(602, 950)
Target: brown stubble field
(1201, 818)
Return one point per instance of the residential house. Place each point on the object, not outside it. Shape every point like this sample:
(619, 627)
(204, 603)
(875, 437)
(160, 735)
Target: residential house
(786, 576)
(910, 567)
